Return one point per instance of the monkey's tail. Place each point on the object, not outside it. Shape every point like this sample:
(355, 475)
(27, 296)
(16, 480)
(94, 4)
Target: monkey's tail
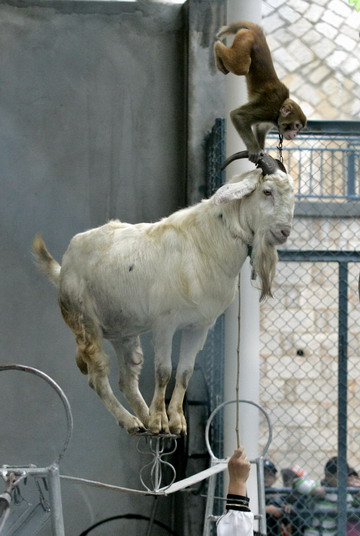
(233, 28)
(45, 261)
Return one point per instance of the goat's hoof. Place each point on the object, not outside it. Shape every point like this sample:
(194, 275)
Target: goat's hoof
(159, 426)
(135, 427)
(179, 432)
(178, 427)
(136, 430)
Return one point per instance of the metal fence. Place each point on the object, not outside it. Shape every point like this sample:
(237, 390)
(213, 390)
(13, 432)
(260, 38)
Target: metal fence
(325, 162)
(310, 334)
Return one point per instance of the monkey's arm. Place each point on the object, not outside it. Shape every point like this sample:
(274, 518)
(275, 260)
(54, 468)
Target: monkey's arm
(243, 119)
(260, 131)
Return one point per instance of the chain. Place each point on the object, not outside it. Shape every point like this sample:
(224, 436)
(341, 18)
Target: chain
(280, 148)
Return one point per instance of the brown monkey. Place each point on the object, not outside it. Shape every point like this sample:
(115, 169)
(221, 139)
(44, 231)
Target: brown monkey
(269, 103)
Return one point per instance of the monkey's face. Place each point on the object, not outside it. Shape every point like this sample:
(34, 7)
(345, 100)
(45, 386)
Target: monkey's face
(291, 119)
(292, 130)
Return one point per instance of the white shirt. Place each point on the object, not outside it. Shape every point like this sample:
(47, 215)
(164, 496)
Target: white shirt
(235, 523)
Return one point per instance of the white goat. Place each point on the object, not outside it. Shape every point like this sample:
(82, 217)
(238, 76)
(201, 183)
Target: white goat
(121, 280)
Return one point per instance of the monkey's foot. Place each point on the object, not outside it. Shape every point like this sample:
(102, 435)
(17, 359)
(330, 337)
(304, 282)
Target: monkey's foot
(255, 157)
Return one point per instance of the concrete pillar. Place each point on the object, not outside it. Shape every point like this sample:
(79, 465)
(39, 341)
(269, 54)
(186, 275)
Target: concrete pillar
(249, 302)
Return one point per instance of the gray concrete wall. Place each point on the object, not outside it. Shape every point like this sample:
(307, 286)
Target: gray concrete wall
(92, 106)
(206, 86)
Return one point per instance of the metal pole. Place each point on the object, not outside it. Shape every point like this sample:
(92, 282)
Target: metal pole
(342, 400)
(57, 520)
(351, 174)
(209, 504)
(236, 94)
(261, 494)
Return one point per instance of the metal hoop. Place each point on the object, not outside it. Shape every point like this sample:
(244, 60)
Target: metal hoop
(216, 410)
(61, 394)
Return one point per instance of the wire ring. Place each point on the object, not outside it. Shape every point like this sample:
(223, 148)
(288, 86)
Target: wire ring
(216, 410)
(61, 394)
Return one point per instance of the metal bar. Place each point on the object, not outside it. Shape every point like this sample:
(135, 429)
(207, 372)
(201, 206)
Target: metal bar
(322, 174)
(209, 509)
(55, 501)
(261, 495)
(300, 196)
(342, 400)
(351, 174)
(319, 149)
(23, 470)
(152, 516)
(289, 255)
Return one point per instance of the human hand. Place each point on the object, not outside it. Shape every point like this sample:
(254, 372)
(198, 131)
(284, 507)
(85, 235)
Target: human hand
(287, 508)
(239, 469)
(273, 510)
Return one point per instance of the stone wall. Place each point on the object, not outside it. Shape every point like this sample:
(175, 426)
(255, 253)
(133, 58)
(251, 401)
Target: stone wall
(316, 51)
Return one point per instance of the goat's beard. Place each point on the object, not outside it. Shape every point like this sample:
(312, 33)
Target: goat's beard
(264, 260)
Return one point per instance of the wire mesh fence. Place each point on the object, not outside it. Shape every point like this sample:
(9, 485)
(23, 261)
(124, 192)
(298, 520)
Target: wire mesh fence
(310, 334)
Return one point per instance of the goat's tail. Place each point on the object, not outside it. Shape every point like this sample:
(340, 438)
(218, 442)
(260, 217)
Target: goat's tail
(44, 260)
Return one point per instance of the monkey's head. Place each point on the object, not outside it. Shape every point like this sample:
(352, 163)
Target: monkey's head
(291, 119)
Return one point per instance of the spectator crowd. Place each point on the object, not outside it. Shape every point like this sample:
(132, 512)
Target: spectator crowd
(304, 507)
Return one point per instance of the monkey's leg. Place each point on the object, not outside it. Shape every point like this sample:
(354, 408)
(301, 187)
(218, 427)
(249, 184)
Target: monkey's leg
(232, 59)
(237, 58)
(218, 57)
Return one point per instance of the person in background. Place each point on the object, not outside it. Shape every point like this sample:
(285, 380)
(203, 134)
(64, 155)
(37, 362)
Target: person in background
(353, 478)
(238, 520)
(298, 506)
(276, 508)
(324, 515)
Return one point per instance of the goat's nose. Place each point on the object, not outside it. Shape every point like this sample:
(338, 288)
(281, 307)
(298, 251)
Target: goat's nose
(285, 231)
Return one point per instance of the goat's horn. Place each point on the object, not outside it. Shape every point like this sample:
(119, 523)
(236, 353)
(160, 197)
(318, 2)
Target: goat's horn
(268, 164)
(236, 156)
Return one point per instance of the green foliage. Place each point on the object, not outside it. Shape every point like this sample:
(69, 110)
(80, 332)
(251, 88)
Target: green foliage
(356, 4)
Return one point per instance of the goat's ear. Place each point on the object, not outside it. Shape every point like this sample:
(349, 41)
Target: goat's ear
(235, 190)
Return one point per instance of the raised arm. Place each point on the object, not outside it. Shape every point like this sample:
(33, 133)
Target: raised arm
(238, 520)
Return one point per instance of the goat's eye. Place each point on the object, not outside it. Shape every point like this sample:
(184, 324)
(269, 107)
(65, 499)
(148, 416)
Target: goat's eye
(267, 192)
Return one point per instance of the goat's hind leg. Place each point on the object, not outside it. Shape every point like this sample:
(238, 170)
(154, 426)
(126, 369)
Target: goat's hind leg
(162, 338)
(92, 360)
(130, 357)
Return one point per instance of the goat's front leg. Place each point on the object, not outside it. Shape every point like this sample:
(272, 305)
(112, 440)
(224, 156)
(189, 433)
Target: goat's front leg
(192, 342)
(158, 420)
